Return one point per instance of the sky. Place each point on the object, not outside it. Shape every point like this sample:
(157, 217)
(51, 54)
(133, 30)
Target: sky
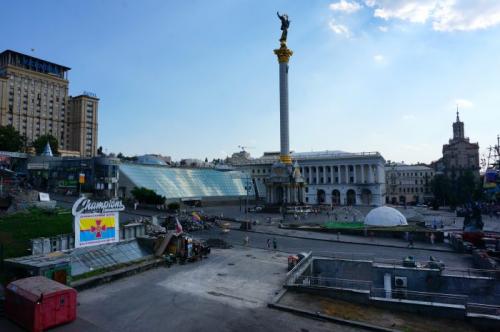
(196, 79)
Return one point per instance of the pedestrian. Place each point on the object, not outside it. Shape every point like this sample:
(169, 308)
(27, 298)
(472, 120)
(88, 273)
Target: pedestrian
(338, 236)
(246, 240)
(275, 243)
(268, 243)
(410, 240)
(136, 203)
(433, 237)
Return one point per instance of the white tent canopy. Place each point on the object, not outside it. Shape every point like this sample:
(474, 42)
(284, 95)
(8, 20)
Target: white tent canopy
(385, 217)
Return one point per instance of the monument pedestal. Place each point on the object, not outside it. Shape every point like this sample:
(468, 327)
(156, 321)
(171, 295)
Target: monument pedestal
(285, 185)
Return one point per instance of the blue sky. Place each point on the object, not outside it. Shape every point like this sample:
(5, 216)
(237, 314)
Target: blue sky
(198, 78)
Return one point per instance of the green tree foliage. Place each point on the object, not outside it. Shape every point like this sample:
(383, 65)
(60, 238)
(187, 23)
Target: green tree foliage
(40, 143)
(456, 191)
(174, 206)
(11, 140)
(441, 187)
(147, 196)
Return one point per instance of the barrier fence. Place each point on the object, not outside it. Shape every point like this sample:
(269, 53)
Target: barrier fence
(403, 294)
(395, 293)
(482, 309)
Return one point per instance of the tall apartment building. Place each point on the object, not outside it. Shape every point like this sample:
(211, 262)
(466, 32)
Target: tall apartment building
(82, 122)
(34, 99)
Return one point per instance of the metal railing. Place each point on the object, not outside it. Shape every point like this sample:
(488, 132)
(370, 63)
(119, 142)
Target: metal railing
(298, 270)
(403, 294)
(482, 309)
(447, 270)
(333, 283)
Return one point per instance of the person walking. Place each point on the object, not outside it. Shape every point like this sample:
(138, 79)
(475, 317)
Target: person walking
(247, 240)
(268, 243)
(275, 243)
(433, 237)
(410, 240)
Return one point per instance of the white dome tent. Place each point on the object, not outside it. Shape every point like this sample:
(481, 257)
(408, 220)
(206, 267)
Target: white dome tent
(385, 217)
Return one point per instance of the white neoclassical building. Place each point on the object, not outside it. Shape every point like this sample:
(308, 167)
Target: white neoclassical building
(333, 177)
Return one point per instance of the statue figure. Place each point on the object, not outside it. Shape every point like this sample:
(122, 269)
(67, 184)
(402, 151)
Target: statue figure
(285, 23)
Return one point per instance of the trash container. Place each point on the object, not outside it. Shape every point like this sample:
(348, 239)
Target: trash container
(38, 303)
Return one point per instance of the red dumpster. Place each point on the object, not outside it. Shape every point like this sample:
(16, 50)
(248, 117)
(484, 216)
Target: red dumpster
(38, 303)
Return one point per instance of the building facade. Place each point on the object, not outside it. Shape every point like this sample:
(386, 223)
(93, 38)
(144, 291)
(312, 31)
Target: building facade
(332, 177)
(34, 100)
(63, 175)
(459, 155)
(408, 183)
(82, 124)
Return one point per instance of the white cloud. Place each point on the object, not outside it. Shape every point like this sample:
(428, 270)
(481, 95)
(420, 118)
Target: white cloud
(378, 58)
(463, 103)
(339, 29)
(444, 15)
(345, 6)
(383, 28)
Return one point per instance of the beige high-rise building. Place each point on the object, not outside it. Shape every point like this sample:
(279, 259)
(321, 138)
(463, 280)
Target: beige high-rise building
(34, 99)
(82, 122)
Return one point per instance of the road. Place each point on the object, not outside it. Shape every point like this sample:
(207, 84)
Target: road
(347, 250)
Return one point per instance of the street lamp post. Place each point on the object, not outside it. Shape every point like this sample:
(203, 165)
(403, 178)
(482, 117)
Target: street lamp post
(248, 187)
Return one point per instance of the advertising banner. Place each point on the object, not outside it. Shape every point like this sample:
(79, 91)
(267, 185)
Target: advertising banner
(96, 228)
(96, 222)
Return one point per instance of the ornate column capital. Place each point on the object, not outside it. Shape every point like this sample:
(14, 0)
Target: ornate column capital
(283, 53)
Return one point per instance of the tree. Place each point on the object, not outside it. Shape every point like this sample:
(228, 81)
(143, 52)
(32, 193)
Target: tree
(441, 187)
(10, 139)
(147, 196)
(465, 187)
(40, 143)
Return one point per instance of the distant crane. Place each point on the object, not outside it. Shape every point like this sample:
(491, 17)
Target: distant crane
(244, 147)
(491, 159)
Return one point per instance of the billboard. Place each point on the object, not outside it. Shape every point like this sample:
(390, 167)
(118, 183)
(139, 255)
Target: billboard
(96, 228)
(96, 222)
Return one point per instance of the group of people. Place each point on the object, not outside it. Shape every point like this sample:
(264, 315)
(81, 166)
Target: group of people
(274, 242)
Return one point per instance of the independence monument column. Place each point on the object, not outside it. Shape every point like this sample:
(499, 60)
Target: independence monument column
(285, 185)
(284, 54)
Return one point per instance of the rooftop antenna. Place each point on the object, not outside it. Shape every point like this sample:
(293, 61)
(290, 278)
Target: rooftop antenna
(458, 119)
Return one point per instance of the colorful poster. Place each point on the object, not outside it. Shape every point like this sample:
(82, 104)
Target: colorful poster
(96, 228)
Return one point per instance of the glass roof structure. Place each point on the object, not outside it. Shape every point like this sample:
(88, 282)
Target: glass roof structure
(185, 183)
(92, 258)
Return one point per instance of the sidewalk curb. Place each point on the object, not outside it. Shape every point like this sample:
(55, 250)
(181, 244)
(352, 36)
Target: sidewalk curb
(319, 316)
(348, 242)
